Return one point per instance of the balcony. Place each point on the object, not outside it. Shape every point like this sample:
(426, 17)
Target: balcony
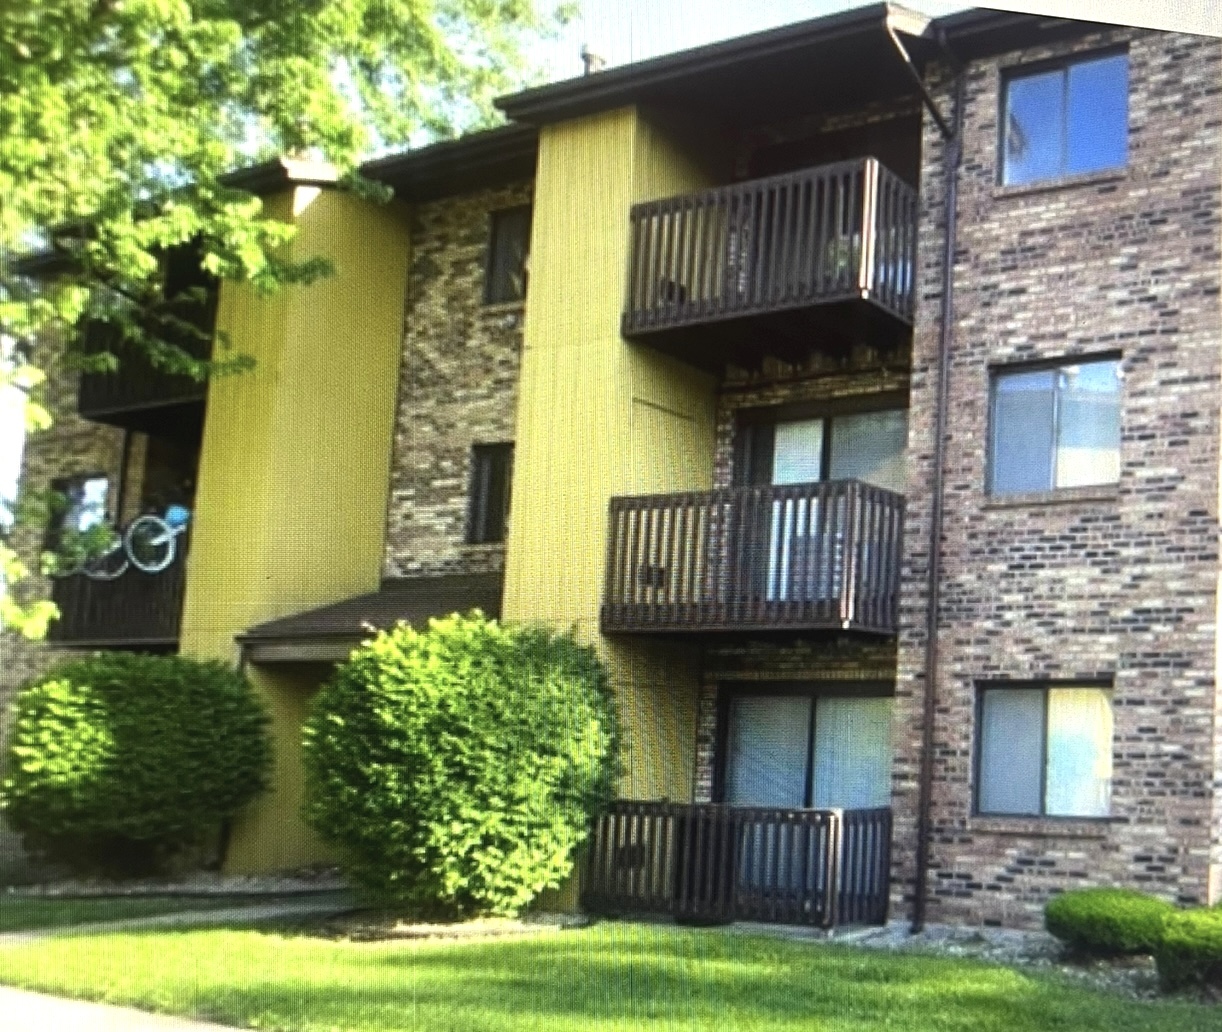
(838, 239)
(139, 396)
(816, 556)
(708, 862)
(135, 610)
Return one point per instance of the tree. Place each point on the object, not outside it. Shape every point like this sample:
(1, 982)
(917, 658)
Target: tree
(121, 119)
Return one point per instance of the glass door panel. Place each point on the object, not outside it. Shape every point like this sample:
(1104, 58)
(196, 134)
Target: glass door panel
(768, 745)
(852, 768)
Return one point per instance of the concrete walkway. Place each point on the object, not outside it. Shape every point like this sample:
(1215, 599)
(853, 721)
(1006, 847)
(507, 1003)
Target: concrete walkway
(33, 1012)
(253, 913)
(22, 1011)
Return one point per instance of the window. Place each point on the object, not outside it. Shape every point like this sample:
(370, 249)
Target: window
(488, 499)
(803, 748)
(78, 503)
(1055, 427)
(1044, 750)
(1065, 120)
(867, 446)
(508, 256)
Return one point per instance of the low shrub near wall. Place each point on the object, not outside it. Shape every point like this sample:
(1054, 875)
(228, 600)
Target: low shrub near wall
(1107, 922)
(1190, 950)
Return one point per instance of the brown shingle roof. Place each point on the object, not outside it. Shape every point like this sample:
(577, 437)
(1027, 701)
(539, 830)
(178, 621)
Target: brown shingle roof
(329, 633)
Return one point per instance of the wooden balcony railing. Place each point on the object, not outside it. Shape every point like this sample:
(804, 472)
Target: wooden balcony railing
(136, 385)
(729, 863)
(833, 233)
(134, 610)
(800, 556)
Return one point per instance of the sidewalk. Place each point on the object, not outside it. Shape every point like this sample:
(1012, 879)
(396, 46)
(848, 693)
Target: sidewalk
(33, 1012)
(333, 903)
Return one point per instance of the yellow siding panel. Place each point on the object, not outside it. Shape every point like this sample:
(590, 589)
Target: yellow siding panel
(598, 417)
(294, 468)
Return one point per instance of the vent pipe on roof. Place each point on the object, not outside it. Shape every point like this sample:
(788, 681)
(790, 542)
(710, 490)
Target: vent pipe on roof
(592, 61)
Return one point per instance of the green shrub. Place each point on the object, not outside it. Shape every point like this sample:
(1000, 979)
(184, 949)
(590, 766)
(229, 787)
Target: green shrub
(459, 767)
(117, 760)
(1190, 950)
(1107, 922)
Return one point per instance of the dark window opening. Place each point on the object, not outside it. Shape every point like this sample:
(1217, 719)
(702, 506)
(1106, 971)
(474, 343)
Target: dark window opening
(508, 256)
(488, 498)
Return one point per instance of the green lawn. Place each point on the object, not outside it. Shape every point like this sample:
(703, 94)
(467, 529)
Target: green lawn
(19, 913)
(612, 976)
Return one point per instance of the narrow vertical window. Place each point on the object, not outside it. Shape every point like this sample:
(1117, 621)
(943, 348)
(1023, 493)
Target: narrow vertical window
(508, 256)
(488, 498)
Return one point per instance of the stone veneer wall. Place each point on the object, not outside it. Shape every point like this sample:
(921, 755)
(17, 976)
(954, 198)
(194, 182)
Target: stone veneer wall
(1116, 583)
(458, 386)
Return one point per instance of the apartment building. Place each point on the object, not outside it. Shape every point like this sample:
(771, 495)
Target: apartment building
(862, 407)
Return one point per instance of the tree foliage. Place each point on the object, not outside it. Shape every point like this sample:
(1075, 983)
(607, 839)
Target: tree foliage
(459, 767)
(122, 118)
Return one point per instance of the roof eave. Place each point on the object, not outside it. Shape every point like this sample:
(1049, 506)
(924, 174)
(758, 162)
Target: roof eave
(616, 87)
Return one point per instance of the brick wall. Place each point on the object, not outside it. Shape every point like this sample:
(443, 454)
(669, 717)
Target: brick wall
(1117, 583)
(458, 386)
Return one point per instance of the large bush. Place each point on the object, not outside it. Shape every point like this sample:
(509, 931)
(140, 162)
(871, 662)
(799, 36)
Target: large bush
(1189, 952)
(1107, 922)
(459, 766)
(117, 760)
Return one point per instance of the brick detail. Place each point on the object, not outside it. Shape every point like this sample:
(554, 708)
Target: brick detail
(458, 386)
(1120, 583)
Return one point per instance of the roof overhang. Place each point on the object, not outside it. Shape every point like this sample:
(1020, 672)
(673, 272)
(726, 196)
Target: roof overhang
(329, 633)
(831, 63)
(494, 157)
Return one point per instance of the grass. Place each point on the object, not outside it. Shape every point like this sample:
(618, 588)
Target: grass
(609, 977)
(22, 913)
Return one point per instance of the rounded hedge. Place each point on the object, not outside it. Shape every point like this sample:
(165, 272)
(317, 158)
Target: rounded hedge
(459, 767)
(1189, 952)
(118, 759)
(1108, 922)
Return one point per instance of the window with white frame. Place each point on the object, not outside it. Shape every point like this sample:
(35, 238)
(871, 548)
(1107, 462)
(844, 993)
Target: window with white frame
(1055, 426)
(1044, 750)
(1065, 119)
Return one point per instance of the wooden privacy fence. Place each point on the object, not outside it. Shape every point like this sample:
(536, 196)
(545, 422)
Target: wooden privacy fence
(730, 863)
(833, 233)
(817, 555)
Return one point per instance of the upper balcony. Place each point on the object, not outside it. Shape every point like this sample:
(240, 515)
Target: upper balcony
(827, 246)
(815, 556)
(137, 395)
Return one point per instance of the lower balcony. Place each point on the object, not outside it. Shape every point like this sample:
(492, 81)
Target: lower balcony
(710, 862)
(815, 556)
(134, 610)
